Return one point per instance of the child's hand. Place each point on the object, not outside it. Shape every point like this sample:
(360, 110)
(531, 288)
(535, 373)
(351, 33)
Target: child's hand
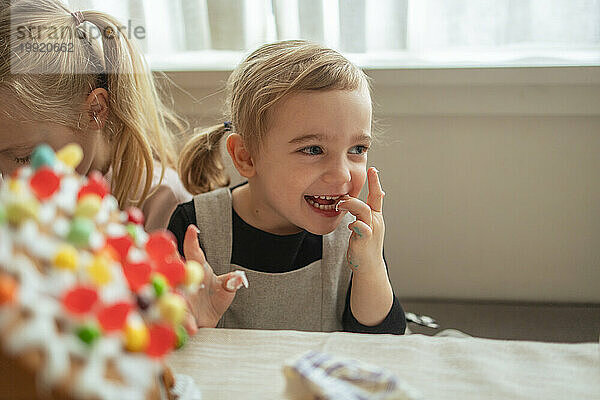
(211, 301)
(365, 249)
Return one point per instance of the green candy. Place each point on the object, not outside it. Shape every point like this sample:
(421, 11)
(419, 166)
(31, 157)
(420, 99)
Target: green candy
(160, 284)
(80, 231)
(42, 155)
(182, 337)
(132, 230)
(88, 333)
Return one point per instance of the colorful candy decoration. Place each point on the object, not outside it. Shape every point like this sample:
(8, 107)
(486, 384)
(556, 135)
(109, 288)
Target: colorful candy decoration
(194, 273)
(88, 333)
(160, 285)
(121, 245)
(150, 318)
(135, 216)
(22, 210)
(66, 257)
(173, 269)
(114, 317)
(71, 155)
(2, 215)
(137, 274)
(80, 299)
(137, 336)
(80, 231)
(99, 271)
(42, 155)
(88, 206)
(182, 337)
(161, 245)
(172, 308)
(95, 185)
(8, 289)
(162, 340)
(44, 183)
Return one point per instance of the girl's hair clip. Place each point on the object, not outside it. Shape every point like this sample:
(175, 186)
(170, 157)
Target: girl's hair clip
(227, 126)
(78, 15)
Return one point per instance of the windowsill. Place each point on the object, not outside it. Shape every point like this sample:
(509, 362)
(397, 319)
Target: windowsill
(216, 60)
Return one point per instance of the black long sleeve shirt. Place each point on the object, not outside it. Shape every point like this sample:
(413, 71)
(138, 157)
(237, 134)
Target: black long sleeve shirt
(288, 253)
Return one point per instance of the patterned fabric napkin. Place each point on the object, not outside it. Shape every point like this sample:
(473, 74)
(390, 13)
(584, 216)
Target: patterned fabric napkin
(322, 376)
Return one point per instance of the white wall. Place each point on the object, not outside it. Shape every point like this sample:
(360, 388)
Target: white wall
(492, 178)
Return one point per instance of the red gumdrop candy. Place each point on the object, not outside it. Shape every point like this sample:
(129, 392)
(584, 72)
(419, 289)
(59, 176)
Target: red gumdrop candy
(113, 317)
(162, 340)
(173, 269)
(44, 183)
(95, 185)
(137, 274)
(80, 299)
(121, 245)
(135, 216)
(161, 245)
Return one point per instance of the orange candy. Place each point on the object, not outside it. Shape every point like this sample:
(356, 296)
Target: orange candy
(8, 289)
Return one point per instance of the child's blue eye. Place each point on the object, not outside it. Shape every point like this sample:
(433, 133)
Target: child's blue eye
(23, 160)
(359, 150)
(312, 150)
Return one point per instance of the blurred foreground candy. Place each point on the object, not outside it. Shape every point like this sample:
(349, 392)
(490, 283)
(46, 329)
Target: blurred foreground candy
(71, 155)
(42, 155)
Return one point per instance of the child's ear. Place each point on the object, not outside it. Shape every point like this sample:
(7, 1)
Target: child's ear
(240, 155)
(96, 109)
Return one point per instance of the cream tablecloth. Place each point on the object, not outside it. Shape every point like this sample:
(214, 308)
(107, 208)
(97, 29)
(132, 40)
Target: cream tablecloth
(247, 364)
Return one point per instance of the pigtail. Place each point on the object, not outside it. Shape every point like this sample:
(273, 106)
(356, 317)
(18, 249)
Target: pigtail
(201, 167)
(143, 127)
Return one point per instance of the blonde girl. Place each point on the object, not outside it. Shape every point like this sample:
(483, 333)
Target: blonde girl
(76, 77)
(299, 127)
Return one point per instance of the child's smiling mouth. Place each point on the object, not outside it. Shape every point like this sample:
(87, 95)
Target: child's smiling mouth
(324, 203)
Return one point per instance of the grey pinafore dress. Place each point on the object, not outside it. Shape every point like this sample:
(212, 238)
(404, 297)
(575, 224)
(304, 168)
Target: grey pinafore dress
(311, 298)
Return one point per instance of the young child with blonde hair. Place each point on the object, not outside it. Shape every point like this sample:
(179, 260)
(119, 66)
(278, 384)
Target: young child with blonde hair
(76, 77)
(300, 126)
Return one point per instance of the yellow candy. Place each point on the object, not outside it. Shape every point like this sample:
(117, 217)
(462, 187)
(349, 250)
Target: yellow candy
(99, 271)
(194, 273)
(66, 257)
(15, 186)
(88, 206)
(172, 308)
(71, 155)
(22, 210)
(136, 337)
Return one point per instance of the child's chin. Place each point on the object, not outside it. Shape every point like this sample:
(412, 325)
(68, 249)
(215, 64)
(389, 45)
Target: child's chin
(321, 230)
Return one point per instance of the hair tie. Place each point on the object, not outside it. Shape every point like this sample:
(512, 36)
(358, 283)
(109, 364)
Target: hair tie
(227, 126)
(78, 15)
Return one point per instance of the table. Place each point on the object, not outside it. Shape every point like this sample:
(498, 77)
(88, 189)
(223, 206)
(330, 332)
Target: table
(247, 364)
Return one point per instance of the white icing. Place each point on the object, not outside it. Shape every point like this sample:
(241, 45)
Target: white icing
(66, 198)
(6, 246)
(61, 227)
(115, 230)
(141, 237)
(46, 213)
(135, 255)
(40, 246)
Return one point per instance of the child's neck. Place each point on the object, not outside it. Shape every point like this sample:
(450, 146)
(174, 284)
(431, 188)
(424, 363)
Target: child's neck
(252, 210)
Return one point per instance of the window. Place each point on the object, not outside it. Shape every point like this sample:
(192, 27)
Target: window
(214, 34)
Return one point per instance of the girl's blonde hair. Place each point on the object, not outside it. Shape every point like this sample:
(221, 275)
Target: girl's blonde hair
(258, 83)
(53, 85)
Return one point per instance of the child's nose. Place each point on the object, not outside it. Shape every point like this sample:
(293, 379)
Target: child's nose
(337, 172)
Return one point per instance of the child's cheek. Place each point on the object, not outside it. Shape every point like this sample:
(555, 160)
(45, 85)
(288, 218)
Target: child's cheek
(359, 178)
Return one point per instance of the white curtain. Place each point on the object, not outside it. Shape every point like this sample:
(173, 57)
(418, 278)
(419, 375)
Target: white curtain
(358, 26)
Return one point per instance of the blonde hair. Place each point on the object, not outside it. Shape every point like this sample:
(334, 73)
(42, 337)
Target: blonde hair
(259, 82)
(53, 85)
